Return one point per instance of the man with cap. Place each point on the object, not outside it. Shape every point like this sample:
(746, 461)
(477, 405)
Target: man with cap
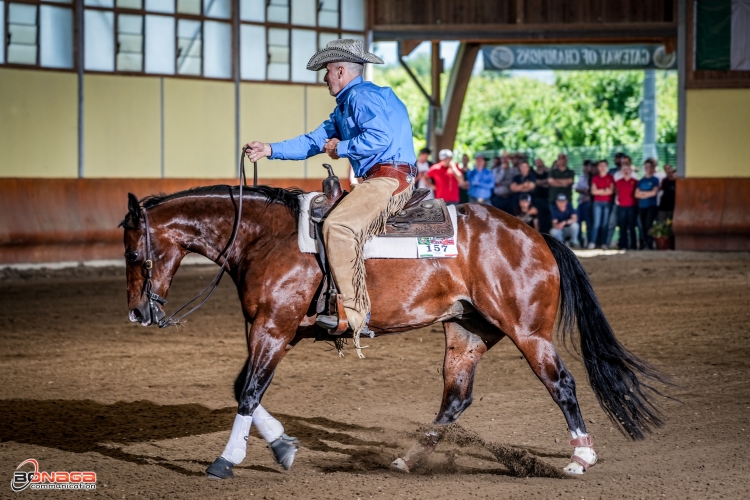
(526, 211)
(371, 128)
(564, 221)
(446, 177)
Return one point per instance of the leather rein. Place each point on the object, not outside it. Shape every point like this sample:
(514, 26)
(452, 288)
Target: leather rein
(148, 264)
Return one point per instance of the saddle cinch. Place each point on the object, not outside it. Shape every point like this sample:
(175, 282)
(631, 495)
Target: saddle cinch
(418, 218)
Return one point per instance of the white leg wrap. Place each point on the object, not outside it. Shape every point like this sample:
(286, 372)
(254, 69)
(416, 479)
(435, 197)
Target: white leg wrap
(268, 427)
(584, 452)
(237, 445)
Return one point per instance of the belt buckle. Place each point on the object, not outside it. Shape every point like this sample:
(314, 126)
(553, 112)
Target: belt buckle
(412, 174)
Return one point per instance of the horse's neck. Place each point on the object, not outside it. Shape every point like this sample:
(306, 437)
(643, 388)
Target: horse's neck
(207, 230)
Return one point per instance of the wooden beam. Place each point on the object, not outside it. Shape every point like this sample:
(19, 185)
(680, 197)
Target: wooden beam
(456, 92)
(436, 70)
(519, 11)
(530, 33)
(408, 46)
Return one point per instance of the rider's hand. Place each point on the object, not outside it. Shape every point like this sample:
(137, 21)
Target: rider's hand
(330, 148)
(257, 150)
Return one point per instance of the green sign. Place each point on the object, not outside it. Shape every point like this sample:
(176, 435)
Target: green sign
(578, 57)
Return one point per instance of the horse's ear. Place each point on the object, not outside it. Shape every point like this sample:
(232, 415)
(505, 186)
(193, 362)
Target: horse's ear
(134, 207)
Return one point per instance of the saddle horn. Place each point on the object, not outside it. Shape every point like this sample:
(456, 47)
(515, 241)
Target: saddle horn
(331, 185)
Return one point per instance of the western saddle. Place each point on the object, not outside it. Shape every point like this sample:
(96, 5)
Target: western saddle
(418, 218)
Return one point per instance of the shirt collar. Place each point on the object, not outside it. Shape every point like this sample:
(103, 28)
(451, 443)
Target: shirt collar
(342, 95)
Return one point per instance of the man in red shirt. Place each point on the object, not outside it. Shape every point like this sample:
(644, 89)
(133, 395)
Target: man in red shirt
(446, 177)
(626, 208)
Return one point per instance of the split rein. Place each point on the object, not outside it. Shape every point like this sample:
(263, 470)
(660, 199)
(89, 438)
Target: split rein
(148, 264)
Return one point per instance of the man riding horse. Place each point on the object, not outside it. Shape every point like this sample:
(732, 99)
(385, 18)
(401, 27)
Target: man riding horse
(507, 281)
(371, 128)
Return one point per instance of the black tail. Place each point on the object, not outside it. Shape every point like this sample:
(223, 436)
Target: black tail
(612, 369)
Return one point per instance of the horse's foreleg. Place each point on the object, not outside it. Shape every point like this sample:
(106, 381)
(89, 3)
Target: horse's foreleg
(269, 429)
(463, 350)
(547, 365)
(266, 351)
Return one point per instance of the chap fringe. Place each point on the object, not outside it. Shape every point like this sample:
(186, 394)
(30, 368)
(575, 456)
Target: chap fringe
(375, 228)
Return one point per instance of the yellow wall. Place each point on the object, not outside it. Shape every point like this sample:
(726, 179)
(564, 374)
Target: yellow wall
(38, 123)
(718, 133)
(320, 105)
(271, 113)
(122, 126)
(199, 138)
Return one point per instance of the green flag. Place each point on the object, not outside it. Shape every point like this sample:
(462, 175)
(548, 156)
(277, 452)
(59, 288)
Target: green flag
(722, 35)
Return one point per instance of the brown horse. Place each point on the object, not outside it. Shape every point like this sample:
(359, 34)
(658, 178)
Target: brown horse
(508, 280)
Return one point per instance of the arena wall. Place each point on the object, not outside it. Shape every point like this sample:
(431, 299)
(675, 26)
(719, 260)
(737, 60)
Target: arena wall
(151, 127)
(52, 220)
(122, 131)
(712, 209)
(38, 123)
(718, 127)
(199, 136)
(141, 134)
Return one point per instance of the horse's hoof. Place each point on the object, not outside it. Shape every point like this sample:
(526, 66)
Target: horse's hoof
(284, 449)
(579, 464)
(574, 468)
(220, 469)
(400, 465)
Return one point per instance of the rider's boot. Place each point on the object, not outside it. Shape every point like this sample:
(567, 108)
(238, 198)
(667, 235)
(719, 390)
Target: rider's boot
(334, 323)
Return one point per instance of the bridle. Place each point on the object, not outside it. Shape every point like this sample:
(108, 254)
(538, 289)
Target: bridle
(148, 264)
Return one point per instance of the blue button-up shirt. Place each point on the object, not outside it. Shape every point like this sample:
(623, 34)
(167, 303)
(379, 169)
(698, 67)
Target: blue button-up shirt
(371, 123)
(482, 182)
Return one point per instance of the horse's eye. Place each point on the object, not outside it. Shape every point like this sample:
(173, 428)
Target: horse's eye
(131, 256)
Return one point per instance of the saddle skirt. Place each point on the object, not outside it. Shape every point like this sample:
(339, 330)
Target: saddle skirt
(419, 221)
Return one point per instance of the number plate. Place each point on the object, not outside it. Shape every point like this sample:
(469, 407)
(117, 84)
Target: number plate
(432, 248)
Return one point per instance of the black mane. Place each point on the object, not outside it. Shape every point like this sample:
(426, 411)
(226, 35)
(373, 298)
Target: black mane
(289, 197)
(286, 196)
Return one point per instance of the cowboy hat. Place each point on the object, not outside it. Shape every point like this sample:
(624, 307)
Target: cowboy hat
(346, 49)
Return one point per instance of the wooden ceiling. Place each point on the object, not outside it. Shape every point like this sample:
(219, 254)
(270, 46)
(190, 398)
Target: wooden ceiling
(504, 21)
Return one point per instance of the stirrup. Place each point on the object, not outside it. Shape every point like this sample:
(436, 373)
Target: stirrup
(331, 322)
(335, 325)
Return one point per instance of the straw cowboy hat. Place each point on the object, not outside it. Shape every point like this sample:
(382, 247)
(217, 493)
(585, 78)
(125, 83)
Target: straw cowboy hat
(342, 50)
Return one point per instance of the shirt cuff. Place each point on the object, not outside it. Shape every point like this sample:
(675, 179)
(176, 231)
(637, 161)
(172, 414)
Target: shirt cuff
(342, 149)
(277, 151)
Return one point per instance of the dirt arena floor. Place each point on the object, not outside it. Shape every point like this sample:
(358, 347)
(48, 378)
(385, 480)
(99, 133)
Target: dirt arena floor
(149, 409)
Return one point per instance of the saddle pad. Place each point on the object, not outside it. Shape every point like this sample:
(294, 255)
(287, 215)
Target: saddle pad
(392, 247)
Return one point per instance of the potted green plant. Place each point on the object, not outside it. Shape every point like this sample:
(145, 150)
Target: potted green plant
(662, 234)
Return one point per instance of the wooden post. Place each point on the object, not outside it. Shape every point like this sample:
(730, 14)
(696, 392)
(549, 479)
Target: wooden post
(437, 68)
(456, 91)
(435, 119)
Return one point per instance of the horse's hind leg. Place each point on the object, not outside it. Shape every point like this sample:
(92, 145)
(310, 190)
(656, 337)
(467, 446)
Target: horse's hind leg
(543, 359)
(463, 350)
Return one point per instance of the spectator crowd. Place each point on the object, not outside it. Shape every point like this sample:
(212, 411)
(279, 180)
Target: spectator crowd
(607, 197)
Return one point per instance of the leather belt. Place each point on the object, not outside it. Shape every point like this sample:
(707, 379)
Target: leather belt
(404, 173)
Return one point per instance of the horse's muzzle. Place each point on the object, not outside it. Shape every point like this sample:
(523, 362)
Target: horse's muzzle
(146, 315)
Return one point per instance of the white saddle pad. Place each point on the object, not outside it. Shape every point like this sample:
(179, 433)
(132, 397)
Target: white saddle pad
(377, 248)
